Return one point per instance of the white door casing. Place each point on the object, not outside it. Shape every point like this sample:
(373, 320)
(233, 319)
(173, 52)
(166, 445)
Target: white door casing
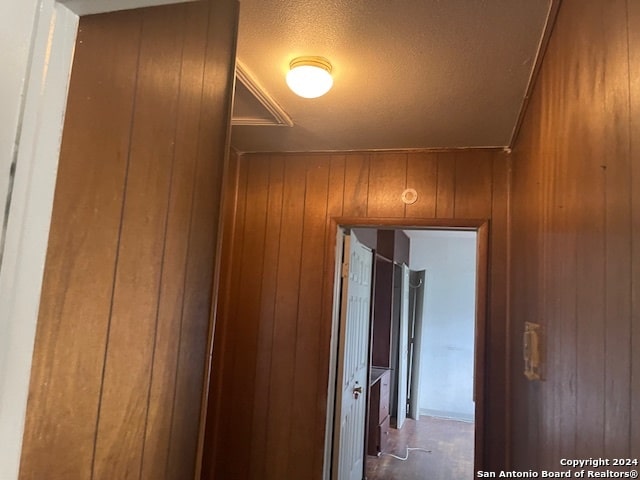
(403, 348)
(353, 362)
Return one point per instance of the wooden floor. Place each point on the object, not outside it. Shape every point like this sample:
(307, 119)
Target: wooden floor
(451, 452)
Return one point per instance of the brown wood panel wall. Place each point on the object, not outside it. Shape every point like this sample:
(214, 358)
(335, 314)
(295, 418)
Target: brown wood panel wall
(271, 353)
(574, 241)
(121, 347)
(633, 11)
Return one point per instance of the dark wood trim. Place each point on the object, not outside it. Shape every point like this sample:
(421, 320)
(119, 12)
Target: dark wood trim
(451, 150)
(415, 223)
(481, 338)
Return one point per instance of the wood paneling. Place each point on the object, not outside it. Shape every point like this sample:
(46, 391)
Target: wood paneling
(473, 184)
(285, 327)
(211, 143)
(120, 431)
(176, 250)
(356, 185)
(120, 352)
(387, 181)
(633, 18)
(235, 208)
(66, 378)
(422, 176)
(242, 371)
(309, 321)
(284, 376)
(446, 185)
(572, 241)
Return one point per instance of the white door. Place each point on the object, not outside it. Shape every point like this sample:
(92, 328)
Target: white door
(403, 348)
(353, 354)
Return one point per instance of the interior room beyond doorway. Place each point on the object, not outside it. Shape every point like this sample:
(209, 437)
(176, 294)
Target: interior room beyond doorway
(433, 385)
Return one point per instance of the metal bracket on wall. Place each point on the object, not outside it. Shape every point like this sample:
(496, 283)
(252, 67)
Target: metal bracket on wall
(531, 346)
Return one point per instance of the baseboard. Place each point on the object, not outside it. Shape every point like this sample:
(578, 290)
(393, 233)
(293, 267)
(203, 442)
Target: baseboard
(462, 417)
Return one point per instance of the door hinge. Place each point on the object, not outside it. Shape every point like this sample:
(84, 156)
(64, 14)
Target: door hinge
(345, 270)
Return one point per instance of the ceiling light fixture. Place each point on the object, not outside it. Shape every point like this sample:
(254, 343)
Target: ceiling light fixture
(310, 77)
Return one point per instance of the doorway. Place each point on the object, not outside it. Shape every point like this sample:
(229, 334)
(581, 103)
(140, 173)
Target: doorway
(432, 395)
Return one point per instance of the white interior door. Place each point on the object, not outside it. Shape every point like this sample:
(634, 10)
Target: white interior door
(403, 348)
(351, 387)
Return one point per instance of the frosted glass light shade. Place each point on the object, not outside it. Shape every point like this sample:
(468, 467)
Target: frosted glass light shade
(310, 77)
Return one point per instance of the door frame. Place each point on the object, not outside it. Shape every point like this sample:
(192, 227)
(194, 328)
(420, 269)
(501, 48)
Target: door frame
(333, 260)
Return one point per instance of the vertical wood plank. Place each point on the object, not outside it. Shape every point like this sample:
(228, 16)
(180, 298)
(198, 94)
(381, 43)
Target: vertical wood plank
(590, 309)
(269, 267)
(213, 147)
(214, 460)
(422, 175)
(337, 180)
(557, 279)
(591, 221)
(633, 29)
(473, 177)
(446, 186)
(285, 320)
(78, 280)
(305, 449)
(242, 344)
(233, 217)
(158, 422)
(523, 285)
(337, 186)
(546, 319)
(560, 295)
(259, 447)
(124, 399)
(496, 324)
(615, 134)
(387, 181)
(356, 185)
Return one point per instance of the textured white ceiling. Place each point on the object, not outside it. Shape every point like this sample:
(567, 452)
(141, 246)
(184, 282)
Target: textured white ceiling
(407, 74)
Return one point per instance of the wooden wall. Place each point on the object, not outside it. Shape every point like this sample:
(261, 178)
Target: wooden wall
(121, 346)
(271, 352)
(575, 240)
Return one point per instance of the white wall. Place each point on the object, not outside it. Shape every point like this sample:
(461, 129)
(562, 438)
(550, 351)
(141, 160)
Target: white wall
(15, 38)
(446, 369)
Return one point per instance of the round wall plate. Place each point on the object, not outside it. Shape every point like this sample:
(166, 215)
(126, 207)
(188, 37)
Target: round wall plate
(409, 196)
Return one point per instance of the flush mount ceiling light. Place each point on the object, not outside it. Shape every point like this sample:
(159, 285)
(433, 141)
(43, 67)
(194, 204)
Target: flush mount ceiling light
(310, 77)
